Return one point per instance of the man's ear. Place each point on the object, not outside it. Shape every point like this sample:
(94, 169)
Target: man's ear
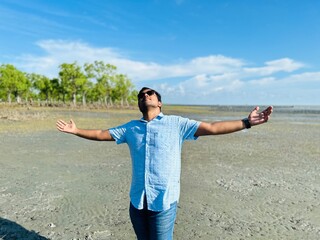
(159, 104)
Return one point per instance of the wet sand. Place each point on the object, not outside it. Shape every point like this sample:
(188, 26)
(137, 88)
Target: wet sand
(262, 183)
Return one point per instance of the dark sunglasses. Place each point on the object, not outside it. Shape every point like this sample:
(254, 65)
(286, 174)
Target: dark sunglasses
(150, 92)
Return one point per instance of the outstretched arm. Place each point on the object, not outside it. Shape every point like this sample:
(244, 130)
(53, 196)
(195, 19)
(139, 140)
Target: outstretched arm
(223, 127)
(97, 135)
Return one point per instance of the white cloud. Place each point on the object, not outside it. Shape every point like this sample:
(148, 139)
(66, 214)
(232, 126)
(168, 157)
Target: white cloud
(279, 65)
(57, 52)
(263, 81)
(203, 85)
(60, 51)
(306, 78)
(194, 81)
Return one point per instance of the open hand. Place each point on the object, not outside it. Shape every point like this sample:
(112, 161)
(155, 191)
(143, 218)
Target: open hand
(69, 127)
(256, 118)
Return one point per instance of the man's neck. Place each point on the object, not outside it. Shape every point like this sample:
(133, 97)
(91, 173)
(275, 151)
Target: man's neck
(151, 114)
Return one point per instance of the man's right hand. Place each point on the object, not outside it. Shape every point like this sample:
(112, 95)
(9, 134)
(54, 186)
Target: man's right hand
(69, 127)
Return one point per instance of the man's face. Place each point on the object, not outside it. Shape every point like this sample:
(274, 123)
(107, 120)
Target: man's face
(148, 98)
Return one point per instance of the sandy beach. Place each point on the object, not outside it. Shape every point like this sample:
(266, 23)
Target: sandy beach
(262, 183)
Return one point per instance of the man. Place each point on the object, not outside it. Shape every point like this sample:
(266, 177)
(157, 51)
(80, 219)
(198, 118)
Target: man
(155, 143)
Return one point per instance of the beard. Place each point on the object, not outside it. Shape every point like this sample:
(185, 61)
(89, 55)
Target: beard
(144, 105)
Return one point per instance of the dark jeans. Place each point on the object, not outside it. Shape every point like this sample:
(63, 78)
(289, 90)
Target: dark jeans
(149, 225)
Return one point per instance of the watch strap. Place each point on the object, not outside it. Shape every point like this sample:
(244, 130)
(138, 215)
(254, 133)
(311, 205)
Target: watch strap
(246, 123)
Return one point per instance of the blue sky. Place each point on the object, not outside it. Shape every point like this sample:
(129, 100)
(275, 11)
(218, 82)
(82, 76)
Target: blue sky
(192, 51)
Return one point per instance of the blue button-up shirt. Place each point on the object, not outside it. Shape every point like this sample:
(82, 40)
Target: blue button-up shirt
(155, 149)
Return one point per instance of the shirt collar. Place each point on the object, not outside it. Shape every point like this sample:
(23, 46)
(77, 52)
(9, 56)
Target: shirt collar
(157, 117)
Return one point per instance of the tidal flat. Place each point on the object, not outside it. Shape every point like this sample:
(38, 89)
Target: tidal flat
(261, 183)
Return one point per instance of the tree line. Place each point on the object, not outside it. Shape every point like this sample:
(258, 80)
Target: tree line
(94, 83)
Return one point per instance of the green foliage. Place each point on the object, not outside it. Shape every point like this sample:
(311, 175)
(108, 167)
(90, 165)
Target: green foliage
(92, 82)
(13, 82)
(42, 84)
(73, 80)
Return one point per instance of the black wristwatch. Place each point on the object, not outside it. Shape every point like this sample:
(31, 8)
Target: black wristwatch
(246, 123)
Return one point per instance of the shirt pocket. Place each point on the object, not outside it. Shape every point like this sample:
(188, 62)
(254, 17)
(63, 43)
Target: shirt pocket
(165, 139)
